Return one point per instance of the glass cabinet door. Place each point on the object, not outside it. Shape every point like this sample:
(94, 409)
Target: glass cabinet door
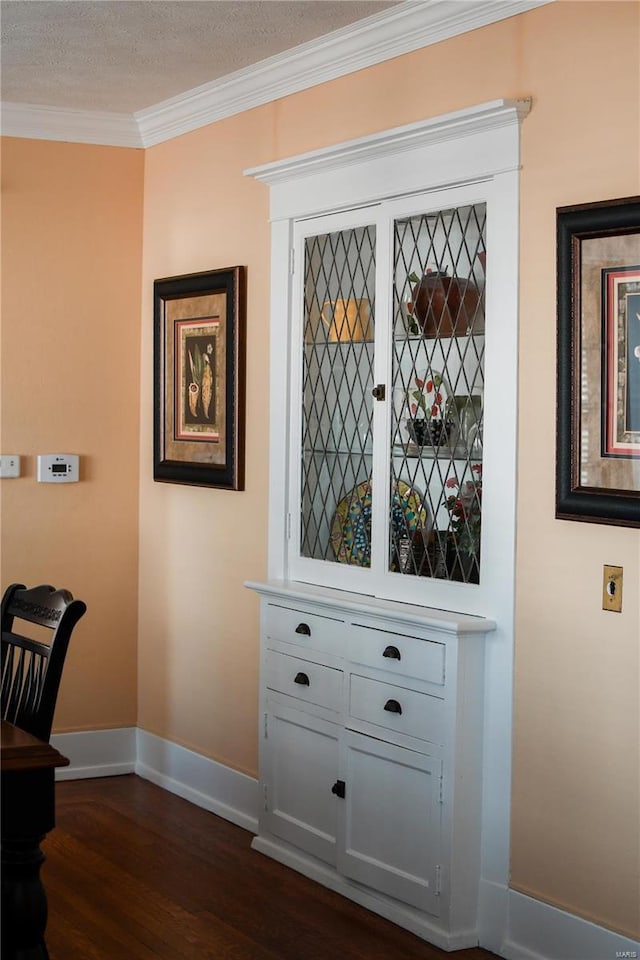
(437, 366)
(391, 310)
(338, 334)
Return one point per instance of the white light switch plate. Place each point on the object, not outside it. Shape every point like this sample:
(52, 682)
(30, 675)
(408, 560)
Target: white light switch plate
(9, 466)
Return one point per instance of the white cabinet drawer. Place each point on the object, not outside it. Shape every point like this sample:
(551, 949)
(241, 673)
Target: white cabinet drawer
(305, 680)
(397, 654)
(309, 630)
(394, 708)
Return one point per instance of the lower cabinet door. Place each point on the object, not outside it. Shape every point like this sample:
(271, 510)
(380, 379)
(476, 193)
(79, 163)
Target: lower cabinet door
(391, 824)
(300, 770)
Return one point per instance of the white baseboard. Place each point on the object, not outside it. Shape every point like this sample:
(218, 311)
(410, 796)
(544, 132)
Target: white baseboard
(214, 786)
(533, 930)
(96, 753)
(211, 785)
(493, 912)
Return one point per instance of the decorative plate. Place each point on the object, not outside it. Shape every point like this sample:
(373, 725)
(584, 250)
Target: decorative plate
(351, 526)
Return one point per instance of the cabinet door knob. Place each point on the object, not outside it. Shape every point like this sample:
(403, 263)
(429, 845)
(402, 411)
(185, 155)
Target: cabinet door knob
(302, 679)
(392, 706)
(379, 391)
(339, 789)
(392, 653)
(304, 629)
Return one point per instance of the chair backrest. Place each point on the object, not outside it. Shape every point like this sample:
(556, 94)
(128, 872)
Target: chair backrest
(31, 665)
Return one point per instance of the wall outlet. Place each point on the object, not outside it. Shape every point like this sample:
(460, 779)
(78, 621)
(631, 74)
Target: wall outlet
(612, 589)
(9, 466)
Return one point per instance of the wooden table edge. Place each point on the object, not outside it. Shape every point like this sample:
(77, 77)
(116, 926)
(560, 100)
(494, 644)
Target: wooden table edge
(20, 750)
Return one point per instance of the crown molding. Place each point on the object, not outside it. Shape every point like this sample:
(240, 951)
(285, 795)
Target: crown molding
(35, 122)
(403, 29)
(391, 33)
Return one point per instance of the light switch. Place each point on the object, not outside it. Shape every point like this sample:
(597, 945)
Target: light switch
(9, 466)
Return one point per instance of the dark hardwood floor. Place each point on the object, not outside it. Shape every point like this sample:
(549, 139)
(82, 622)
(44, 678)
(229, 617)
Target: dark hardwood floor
(133, 872)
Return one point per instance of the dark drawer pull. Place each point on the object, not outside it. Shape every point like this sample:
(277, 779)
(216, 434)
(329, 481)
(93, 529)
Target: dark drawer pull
(304, 629)
(392, 706)
(302, 679)
(392, 653)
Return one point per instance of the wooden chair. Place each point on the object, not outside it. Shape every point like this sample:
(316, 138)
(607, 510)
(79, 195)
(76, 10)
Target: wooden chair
(31, 666)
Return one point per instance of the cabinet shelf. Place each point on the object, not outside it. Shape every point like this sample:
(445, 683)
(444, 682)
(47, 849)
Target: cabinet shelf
(342, 344)
(410, 450)
(429, 452)
(402, 337)
(340, 452)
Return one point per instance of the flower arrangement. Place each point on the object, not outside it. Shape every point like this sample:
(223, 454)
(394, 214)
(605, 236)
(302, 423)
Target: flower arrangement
(427, 406)
(465, 512)
(431, 386)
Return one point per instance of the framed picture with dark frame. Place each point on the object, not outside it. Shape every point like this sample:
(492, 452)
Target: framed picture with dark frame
(598, 413)
(199, 390)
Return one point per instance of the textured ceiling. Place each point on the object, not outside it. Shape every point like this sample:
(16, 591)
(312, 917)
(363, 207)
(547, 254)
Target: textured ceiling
(126, 55)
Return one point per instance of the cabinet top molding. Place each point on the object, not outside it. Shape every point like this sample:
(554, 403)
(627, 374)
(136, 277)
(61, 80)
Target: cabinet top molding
(442, 621)
(450, 126)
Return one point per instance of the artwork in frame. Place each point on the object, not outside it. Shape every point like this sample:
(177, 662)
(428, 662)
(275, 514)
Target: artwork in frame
(598, 411)
(199, 358)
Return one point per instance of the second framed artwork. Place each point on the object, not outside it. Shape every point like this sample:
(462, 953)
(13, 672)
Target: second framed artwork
(598, 434)
(199, 391)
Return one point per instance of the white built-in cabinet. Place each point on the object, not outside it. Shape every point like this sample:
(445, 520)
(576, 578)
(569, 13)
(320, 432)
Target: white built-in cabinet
(371, 752)
(386, 619)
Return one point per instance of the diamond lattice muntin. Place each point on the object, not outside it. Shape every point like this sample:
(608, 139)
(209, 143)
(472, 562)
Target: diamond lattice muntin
(438, 389)
(339, 306)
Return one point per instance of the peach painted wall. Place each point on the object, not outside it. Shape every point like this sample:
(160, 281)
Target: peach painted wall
(576, 774)
(71, 251)
(575, 792)
(198, 638)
